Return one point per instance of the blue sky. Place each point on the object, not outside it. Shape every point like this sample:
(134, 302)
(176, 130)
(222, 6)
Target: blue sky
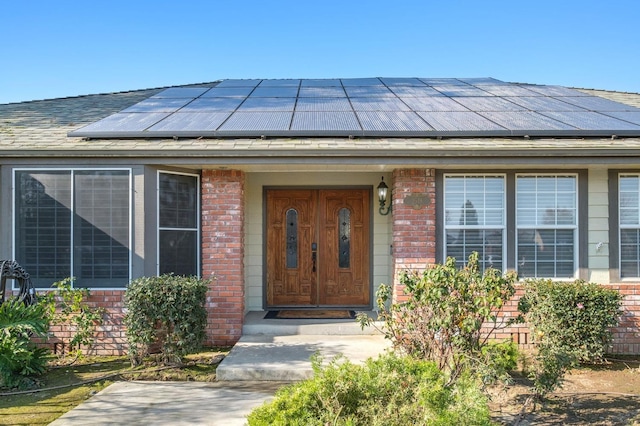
(66, 48)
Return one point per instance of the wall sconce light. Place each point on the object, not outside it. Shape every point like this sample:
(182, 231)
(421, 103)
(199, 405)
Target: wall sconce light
(383, 191)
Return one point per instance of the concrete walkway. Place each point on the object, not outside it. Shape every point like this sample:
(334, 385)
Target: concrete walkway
(171, 403)
(270, 354)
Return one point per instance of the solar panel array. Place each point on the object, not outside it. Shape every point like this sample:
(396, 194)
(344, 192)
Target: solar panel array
(368, 107)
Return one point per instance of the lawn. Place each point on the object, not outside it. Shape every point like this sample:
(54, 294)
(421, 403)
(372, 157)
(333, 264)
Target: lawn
(64, 387)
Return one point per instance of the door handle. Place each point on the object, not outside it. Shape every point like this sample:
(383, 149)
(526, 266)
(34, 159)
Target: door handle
(314, 255)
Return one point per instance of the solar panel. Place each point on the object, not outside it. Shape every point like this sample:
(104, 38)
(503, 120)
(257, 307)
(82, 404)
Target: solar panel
(590, 121)
(379, 104)
(459, 90)
(192, 122)
(374, 107)
(275, 92)
(461, 121)
(181, 92)
(322, 92)
(268, 104)
(213, 104)
(630, 116)
(323, 104)
(159, 105)
(368, 91)
(525, 120)
(319, 121)
(225, 92)
(398, 121)
(257, 124)
(122, 123)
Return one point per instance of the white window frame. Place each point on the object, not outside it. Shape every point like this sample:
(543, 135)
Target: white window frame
(198, 219)
(72, 171)
(620, 226)
(575, 227)
(503, 227)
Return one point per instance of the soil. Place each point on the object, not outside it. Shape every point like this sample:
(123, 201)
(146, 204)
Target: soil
(600, 395)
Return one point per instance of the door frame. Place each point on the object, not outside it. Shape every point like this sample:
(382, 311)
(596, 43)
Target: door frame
(266, 188)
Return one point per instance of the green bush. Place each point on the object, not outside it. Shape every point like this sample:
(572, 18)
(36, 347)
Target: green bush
(67, 306)
(570, 323)
(389, 390)
(20, 358)
(168, 310)
(443, 318)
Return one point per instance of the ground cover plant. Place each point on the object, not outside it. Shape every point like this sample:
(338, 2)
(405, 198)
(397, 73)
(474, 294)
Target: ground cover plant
(390, 390)
(20, 358)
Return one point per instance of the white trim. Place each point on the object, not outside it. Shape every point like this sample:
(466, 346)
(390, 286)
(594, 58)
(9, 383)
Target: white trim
(621, 226)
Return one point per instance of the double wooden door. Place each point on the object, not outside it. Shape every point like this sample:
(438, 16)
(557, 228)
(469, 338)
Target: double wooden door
(317, 247)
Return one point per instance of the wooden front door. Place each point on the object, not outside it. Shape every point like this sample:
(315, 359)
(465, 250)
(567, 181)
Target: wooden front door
(317, 247)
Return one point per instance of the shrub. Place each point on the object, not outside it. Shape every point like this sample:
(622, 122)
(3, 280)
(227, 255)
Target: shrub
(67, 306)
(443, 318)
(570, 323)
(168, 310)
(19, 356)
(389, 390)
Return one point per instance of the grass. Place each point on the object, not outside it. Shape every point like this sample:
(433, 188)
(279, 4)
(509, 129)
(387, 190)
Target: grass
(64, 387)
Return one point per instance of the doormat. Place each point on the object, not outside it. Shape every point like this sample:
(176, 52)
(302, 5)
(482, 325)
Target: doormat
(311, 314)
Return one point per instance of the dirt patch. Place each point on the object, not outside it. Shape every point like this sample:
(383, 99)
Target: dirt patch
(600, 395)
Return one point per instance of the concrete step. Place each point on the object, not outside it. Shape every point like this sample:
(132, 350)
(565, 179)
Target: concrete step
(288, 357)
(256, 324)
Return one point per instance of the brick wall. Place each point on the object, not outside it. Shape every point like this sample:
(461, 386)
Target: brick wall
(223, 212)
(110, 338)
(414, 234)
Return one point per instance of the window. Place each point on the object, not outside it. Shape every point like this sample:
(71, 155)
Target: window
(475, 219)
(178, 225)
(629, 225)
(546, 226)
(520, 221)
(73, 223)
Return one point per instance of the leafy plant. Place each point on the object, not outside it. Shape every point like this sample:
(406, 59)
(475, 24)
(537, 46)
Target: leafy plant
(67, 307)
(570, 323)
(19, 356)
(168, 310)
(389, 390)
(445, 313)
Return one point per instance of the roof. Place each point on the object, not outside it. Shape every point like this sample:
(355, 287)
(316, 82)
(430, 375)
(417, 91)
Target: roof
(38, 130)
(368, 107)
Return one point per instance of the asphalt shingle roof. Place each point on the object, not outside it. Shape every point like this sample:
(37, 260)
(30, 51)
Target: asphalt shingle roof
(38, 129)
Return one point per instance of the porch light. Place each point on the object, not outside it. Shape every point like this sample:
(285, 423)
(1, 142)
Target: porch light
(383, 190)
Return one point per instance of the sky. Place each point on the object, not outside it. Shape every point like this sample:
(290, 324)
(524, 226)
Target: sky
(62, 48)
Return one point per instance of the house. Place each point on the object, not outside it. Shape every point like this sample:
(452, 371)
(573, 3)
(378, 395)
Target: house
(272, 187)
